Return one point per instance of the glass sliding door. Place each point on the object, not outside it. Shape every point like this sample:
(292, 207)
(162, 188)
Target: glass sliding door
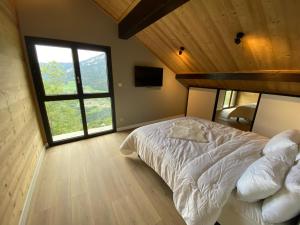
(93, 70)
(98, 114)
(65, 119)
(73, 82)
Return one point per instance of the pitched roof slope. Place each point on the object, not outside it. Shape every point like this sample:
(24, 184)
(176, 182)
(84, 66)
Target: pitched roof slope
(207, 29)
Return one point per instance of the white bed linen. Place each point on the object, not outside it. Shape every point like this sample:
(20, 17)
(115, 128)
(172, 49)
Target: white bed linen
(237, 212)
(201, 175)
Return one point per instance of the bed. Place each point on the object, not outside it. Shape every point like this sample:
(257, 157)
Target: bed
(201, 174)
(236, 212)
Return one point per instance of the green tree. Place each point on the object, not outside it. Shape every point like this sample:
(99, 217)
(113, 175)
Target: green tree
(53, 77)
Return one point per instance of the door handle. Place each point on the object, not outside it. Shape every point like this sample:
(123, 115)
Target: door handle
(78, 80)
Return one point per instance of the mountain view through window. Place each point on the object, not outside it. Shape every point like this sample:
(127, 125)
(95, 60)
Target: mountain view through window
(57, 71)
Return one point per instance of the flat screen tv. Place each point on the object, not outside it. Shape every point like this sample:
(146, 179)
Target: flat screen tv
(148, 76)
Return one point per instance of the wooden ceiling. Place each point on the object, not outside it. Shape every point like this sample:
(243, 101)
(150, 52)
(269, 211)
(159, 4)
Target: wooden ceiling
(207, 29)
(118, 9)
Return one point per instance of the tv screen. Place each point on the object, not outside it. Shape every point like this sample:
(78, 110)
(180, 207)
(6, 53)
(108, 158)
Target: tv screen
(148, 76)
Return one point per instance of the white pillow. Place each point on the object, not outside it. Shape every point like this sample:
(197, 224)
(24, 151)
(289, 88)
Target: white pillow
(285, 141)
(262, 179)
(292, 181)
(282, 206)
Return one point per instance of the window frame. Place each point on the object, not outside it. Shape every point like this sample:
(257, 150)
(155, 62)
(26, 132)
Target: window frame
(40, 91)
(230, 99)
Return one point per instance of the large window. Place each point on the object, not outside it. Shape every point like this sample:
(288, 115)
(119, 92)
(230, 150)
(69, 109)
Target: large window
(73, 83)
(229, 99)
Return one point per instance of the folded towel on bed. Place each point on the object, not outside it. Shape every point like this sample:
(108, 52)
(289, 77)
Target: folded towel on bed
(187, 130)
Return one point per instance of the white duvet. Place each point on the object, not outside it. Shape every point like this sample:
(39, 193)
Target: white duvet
(201, 175)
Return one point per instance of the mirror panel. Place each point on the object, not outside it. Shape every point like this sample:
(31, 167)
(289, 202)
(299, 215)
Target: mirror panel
(236, 109)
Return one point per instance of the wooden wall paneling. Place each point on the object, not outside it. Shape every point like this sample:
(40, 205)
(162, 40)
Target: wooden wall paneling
(21, 141)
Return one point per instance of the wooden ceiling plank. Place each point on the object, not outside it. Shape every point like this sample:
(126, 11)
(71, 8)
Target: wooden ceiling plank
(276, 23)
(194, 36)
(229, 25)
(115, 8)
(172, 49)
(151, 41)
(144, 14)
(207, 28)
(214, 26)
(183, 24)
(258, 39)
(129, 8)
(291, 13)
(188, 57)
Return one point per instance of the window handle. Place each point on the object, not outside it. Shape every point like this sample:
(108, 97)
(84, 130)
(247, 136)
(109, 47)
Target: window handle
(78, 80)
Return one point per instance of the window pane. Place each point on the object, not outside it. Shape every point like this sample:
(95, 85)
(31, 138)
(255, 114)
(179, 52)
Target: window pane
(227, 99)
(93, 68)
(64, 118)
(98, 114)
(233, 99)
(57, 70)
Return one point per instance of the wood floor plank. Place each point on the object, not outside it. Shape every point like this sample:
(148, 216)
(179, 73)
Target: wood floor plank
(91, 182)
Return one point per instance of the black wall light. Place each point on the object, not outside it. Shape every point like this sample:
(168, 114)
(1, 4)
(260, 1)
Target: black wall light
(181, 49)
(238, 37)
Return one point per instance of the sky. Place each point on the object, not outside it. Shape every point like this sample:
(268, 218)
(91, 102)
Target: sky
(60, 54)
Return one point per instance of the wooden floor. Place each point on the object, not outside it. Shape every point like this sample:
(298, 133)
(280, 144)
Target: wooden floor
(91, 182)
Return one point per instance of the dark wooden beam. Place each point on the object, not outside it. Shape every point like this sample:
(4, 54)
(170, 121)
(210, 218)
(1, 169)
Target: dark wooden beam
(271, 82)
(264, 76)
(144, 14)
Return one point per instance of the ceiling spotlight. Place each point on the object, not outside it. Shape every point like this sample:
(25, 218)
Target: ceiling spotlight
(238, 37)
(181, 49)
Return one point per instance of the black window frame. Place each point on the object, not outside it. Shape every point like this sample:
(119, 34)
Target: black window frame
(40, 92)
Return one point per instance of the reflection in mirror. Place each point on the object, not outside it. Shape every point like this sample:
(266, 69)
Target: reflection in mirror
(236, 108)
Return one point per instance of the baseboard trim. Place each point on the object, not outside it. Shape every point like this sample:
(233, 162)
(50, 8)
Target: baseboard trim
(148, 122)
(26, 207)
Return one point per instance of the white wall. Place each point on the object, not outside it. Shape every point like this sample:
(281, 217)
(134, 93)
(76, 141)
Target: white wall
(83, 21)
(277, 113)
(201, 102)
